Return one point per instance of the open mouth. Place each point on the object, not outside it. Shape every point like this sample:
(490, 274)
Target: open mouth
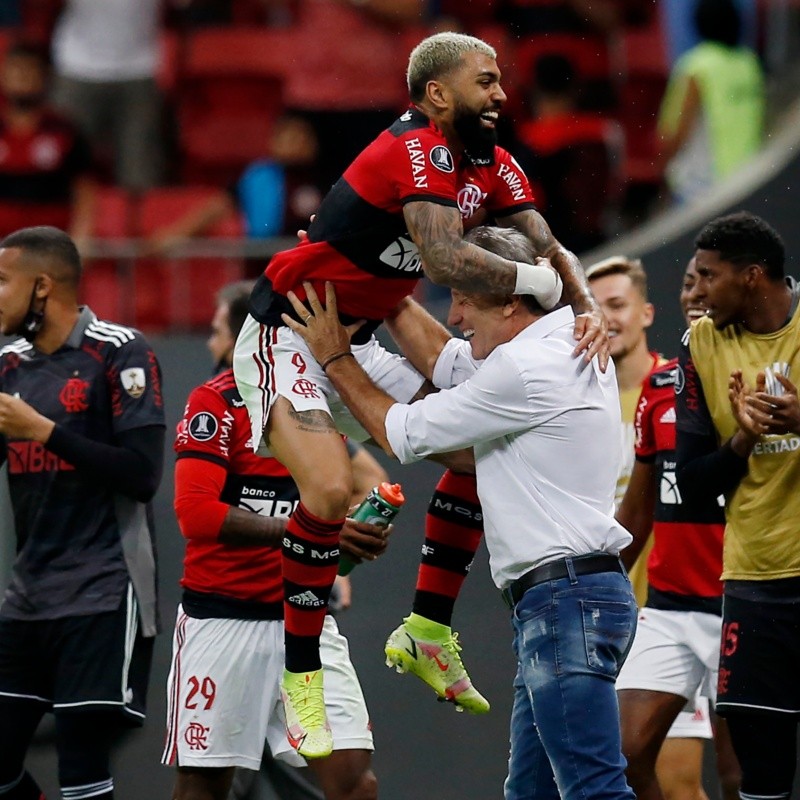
(489, 118)
(468, 333)
(696, 312)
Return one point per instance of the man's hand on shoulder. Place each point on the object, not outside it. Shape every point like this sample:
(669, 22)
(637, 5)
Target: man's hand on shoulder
(591, 331)
(18, 420)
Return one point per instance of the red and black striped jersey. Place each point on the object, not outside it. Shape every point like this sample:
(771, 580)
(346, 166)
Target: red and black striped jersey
(359, 240)
(685, 563)
(217, 469)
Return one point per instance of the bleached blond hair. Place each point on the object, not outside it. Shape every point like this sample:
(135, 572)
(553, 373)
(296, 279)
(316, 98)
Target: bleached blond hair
(437, 55)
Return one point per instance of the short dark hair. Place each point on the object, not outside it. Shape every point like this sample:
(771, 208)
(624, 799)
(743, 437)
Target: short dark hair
(718, 21)
(511, 244)
(237, 297)
(51, 246)
(743, 238)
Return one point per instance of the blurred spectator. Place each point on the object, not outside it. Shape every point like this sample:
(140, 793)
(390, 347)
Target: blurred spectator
(45, 164)
(525, 17)
(105, 54)
(681, 31)
(712, 116)
(275, 195)
(571, 155)
(346, 81)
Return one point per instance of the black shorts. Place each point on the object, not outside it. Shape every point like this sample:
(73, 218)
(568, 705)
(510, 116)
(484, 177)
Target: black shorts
(74, 664)
(759, 656)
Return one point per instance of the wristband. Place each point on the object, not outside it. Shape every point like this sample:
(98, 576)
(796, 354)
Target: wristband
(544, 283)
(330, 360)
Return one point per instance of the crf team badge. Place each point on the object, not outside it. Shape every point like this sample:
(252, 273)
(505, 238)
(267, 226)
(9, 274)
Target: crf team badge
(74, 396)
(133, 381)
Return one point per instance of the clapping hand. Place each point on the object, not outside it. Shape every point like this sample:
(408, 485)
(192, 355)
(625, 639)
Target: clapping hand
(775, 414)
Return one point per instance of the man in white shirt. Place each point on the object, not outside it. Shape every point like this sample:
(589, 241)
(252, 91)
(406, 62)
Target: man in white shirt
(545, 429)
(105, 58)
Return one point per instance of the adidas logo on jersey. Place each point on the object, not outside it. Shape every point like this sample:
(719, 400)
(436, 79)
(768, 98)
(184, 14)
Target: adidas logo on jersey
(668, 417)
(307, 599)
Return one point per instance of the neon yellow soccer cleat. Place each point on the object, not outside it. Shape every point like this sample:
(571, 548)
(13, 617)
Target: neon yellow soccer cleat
(431, 652)
(306, 722)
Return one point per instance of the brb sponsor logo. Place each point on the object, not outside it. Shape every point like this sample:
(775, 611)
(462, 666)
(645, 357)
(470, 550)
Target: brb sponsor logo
(268, 508)
(402, 254)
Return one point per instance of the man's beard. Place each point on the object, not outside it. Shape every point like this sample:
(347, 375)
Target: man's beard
(478, 141)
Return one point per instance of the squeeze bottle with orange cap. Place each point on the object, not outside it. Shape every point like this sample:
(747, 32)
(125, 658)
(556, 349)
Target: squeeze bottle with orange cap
(379, 508)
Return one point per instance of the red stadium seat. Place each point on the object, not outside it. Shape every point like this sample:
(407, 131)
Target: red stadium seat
(645, 71)
(106, 284)
(230, 91)
(180, 293)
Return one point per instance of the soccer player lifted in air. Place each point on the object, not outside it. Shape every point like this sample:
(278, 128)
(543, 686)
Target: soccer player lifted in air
(398, 212)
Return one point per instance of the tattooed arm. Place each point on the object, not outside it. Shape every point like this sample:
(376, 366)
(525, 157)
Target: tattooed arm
(450, 261)
(576, 288)
(591, 328)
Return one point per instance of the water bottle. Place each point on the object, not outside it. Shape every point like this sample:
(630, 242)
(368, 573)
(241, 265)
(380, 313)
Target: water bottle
(379, 508)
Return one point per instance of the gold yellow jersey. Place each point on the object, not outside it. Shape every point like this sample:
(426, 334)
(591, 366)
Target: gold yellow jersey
(762, 533)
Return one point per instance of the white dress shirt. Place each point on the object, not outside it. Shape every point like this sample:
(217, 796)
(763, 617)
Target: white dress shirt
(545, 427)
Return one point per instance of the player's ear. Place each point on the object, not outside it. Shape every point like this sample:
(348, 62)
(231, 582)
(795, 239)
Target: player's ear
(42, 286)
(436, 93)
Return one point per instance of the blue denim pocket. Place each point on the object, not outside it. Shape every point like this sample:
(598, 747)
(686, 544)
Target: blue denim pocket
(608, 629)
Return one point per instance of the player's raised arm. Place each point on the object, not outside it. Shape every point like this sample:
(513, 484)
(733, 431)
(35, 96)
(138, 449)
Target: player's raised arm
(450, 261)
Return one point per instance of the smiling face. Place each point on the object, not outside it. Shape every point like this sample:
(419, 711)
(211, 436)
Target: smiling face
(629, 315)
(475, 99)
(722, 287)
(483, 324)
(693, 304)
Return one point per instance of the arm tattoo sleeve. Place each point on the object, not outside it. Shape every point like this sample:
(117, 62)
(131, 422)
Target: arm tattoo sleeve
(533, 225)
(450, 261)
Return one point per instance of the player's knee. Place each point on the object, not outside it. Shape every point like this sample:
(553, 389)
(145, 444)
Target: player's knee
(331, 497)
(361, 785)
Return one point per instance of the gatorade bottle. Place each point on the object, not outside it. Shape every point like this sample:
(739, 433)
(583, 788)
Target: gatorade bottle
(379, 508)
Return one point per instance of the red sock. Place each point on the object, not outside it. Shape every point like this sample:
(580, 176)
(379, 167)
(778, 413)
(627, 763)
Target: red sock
(310, 561)
(453, 530)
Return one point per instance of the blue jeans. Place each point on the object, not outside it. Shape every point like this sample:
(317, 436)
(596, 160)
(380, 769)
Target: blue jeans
(571, 637)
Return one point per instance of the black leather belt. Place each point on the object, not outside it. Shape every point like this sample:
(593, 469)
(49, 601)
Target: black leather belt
(554, 570)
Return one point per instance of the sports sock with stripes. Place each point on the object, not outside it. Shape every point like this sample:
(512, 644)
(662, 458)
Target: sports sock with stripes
(453, 530)
(310, 561)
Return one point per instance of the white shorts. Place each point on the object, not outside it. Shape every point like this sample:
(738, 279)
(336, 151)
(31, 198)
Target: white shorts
(224, 699)
(273, 361)
(693, 723)
(676, 652)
